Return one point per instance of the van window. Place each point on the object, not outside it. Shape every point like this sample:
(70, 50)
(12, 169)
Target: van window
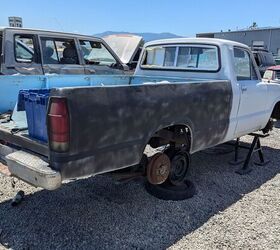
(243, 65)
(95, 53)
(182, 57)
(59, 51)
(24, 48)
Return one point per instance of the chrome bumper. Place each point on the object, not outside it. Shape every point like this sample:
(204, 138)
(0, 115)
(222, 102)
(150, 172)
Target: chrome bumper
(32, 169)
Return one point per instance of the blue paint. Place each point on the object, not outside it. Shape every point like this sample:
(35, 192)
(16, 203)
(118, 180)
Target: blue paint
(10, 85)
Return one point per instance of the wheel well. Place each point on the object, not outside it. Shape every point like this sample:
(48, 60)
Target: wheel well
(175, 134)
(276, 111)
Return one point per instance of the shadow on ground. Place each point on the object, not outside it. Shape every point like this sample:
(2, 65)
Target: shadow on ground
(97, 213)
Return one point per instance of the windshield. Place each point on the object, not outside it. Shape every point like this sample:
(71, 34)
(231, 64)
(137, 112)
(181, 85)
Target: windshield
(268, 74)
(96, 53)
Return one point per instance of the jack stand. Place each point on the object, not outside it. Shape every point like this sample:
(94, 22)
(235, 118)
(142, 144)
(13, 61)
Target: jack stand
(236, 160)
(255, 147)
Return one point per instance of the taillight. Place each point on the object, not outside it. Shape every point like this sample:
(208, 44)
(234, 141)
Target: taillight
(58, 123)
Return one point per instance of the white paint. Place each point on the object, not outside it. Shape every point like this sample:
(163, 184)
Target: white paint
(253, 100)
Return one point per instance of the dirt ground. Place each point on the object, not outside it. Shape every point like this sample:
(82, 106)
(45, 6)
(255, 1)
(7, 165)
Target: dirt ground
(229, 211)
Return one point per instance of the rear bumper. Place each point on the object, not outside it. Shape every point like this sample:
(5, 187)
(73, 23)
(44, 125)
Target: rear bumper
(31, 169)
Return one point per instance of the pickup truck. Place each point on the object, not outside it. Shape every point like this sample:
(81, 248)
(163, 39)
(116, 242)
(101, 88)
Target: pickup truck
(272, 74)
(39, 52)
(186, 95)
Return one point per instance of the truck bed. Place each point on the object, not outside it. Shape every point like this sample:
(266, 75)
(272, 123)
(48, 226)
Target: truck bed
(12, 84)
(110, 124)
(16, 134)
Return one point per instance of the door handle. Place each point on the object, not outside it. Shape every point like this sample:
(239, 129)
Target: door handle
(243, 88)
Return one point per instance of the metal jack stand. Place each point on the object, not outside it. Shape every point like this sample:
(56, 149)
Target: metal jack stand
(236, 145)
(255, 147)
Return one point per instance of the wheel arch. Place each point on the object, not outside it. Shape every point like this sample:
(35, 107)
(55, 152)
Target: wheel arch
(276, 110)
(184, 124)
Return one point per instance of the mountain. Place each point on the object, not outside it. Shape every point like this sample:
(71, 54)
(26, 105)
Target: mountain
(147, 36)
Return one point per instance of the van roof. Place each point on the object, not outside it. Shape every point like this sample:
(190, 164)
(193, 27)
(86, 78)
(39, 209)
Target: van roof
(47, 31)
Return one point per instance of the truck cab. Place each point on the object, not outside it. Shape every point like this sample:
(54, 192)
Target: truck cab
(214, 59)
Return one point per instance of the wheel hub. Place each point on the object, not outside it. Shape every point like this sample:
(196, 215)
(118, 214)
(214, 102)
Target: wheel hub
(158, 168)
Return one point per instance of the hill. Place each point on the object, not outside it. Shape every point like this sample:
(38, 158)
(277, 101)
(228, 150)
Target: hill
(147, 36)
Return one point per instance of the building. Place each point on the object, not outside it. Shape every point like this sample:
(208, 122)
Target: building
(15, 21)
(267, 38)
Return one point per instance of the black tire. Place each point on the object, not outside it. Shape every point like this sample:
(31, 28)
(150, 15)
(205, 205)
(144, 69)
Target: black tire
(269, 126)
(180, 163)
(167, 191)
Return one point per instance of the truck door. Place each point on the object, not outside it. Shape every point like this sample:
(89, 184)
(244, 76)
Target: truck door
(253, 94)
(98, 59)
(60, 56)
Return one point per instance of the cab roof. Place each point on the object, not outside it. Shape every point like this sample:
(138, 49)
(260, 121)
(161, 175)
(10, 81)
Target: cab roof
(211, 41)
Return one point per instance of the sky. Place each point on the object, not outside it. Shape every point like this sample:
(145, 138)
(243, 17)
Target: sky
(181, 17)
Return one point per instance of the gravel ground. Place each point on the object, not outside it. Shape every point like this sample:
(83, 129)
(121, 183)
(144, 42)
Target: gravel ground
(229, 211)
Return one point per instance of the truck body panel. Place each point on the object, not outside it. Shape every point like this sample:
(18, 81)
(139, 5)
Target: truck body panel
(110, 126)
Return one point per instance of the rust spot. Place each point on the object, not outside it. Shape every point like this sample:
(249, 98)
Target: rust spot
(158, 169)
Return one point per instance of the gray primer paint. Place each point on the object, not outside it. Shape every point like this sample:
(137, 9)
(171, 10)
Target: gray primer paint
(110, 126)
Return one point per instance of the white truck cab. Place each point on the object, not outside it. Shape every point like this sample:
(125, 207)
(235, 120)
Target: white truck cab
(253, 100)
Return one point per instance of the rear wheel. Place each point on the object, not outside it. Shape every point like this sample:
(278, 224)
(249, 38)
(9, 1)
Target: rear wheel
(180, 163)
(169, 183)
(166, 191)
(269, 126)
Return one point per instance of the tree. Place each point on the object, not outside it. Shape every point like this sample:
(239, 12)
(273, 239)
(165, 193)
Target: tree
(253, 26)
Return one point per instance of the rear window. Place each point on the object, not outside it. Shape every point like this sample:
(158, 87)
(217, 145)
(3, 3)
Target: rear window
(182, 57)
